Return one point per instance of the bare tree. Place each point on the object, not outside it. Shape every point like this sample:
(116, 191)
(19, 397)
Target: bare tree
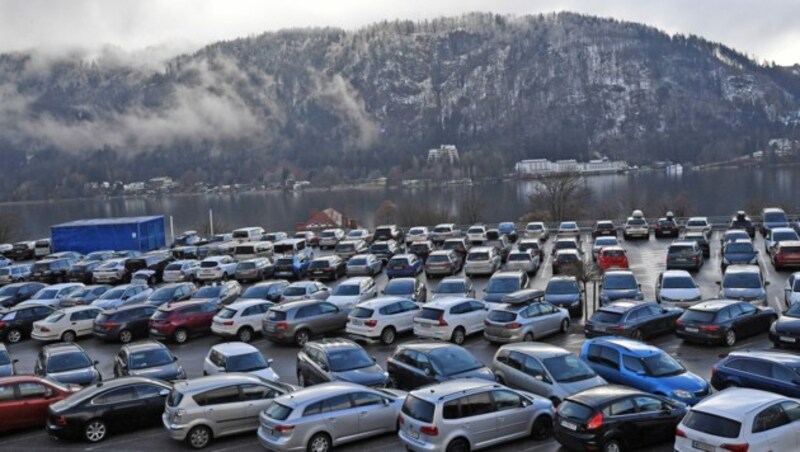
(470, 210)
(561, 196)
(385, 214)
(8, 228)
(680, 205)
(204, 229)
(414, 214)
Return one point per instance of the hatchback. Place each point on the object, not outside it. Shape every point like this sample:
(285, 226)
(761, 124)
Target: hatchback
(611, 257)
(417, 233)
(360, 234)
(422, 249)
(476, 234)
(81, 271)
(327, 267)
(181, 271)
(508, 229)
(462, 415)
(742, 222)
(85, 295)
(684, 255)
(702, 241)
(384, 249)
(636, 227)
(739, 251)
(66, 325)
(267, 291)
(778, 235)
(504, 283)
(404, 265)
(604, 228)
(53, 295)
(565, 292)
(257, 269)
(17, 322)
(454, 286)
(567, 261)
(150, 359)
(216, 268)
(124, 324)
(568, 229)
(338, 360)
(66, 363)
(444, 231)
(745, 283)
(349, 248)
(443, 263)
(459, 244)
(514, 322)
(24, 400)
(241, 319)
(537, 230)
(723, 321)
(330, 237)
(482, 261)
(171, 293)
(620, 285)
(232, 357)
(602, 242)
(698, 224)
(123, 295)
(353, 291)
(418, 364)
(305, 290)
(219, 294)
(382, 319)
(181, 321)
(677, 288)
(298, 321)
(632, 319)
(450, 319)
(364, 265)
(768, 370)
(786, 254)
(524, 260)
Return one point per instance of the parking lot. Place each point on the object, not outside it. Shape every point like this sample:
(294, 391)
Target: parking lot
(647, 259)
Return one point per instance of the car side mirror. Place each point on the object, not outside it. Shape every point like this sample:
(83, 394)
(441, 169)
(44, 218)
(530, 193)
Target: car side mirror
(163, 392)
(95, 362)
(270, 361)
(428, 371)
(374, 359)
(719, 283)
(14, 361)
(324, 367)
(766, 283)
(174, 359)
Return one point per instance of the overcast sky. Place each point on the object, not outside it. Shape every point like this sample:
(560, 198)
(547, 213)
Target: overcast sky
(766, 29)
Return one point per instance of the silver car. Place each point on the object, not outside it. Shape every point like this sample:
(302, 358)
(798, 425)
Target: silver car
(200, 409)
(364, 264)
(526, 261)
(305, 290)
(470, 414)
(482, 260)
(543, 369)
(322, 417)
(454, 287)
(514, 322)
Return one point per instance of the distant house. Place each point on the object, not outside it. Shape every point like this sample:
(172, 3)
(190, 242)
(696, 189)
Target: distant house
(446, 153)
(326, 219)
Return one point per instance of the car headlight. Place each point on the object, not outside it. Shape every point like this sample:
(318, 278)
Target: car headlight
(682, 394)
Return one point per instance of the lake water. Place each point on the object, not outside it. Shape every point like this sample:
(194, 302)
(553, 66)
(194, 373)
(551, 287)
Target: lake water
(719, 192)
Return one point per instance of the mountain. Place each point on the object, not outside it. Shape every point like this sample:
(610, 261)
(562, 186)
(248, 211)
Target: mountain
(329, 103)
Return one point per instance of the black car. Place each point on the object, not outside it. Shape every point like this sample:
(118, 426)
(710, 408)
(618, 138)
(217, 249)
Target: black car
(327, 267)
(384, 250)
(702, 241)
(768, 370)
(21, 251)
(51, 271)
(389, 232)
(603, 228)
(81, 271)
(338, 360)
(17, 323)
(124, 324)
(666, 227)
(119, 405)
(723, 321)
(632, 319)
(66, 363)
(14, 294)
(422, 249)
(786, 330)
(459, 244)
(148, 358)
(742, 221)
(171, 293)
(155, 261)
(616, 418)
(421, 363)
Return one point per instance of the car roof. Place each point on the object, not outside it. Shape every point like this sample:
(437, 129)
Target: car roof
(302, 284)
(234, 348)
(712, 305)
(380, 302)
(330, 343)
(737, 402)
(440, 391)
(144, 344)
(563, 278)
(769, 355)
(613, 248)
(269, 283)
(288, 305)
(404, 256)
(182, 304)
(481, 249)
(621, 306)
(567, 251)
(215, 258)
(631, 345)
(772, 209)
(445, 303)
(64, 285)
(79, 308)
(618, 272)
(441, 252)
(507, 274)
(676, 274)
(683, 243)
(521, 296)
(782, 229)
(62, 347)
(247, 302)
(464, 279)
(697, 219)
(600, 395)
(318, 392)
(399, 280)
(740, 268)
(214, 381)
(355, 280)
(788, 243)
(540, 349)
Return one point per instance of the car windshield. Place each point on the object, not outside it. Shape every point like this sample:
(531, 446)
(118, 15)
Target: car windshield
(416, 231)
(417, 247)
(283, 249)
(478, 256)
(562, 287)
(288, 261)
(519, 257)
(345, 247)
(322, 263)
(418, 409)
(357, 261)
(619, 282)
(741, 281)
(568, 226)
(613, 253)
(64, 362)
(355, 234)
(606, 242)
(606, 316)
(735, 235)
(327, 234)
(502, 285)
(533, 227)
(696, 223)
(379, 247)
(739, 248)
(349, 359)
(293, 291)
(9, 290)
(451, 287)
(45, 294)
(566, 245)
(441, 229)
(680, 250)
(361, 312)
(346, 289)
(567, 368)
(113, 294)
(55, 317)
(259, 291)
(5, 271)
(678, 282)
(399, 287)
(245, 266)
(226, 313)
(780, 236)
(398, 262)
(208, 292)
(150, 358)
(4, 358)
(662, 365)
(454, 360)
(247, 362)
(475, 231)
(435, 258)
(695, 315)
(82, 293)
(497, 315)
(162, 294)
(109, 266)
(775, 217)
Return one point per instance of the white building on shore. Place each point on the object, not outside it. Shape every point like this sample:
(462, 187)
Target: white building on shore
(537, 167)
(445, 153)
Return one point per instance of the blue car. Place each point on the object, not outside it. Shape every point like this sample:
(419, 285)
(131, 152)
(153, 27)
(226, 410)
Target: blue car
(643, 366)
(403, 265)
(293, 256)
(772, 371)
(619, 285)
(509, 230)
(565, 292)
(739, 251)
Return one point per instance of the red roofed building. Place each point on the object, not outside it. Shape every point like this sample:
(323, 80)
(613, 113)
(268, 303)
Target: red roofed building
(326, 219)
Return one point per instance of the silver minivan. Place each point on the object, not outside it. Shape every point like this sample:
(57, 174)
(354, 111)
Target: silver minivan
(324, 416)
(201, 409)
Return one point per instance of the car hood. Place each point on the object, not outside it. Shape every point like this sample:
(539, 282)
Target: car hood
(344, 299)
(680, 294)
(367, 376)
(582, 385)
(616, 294)
(169, 371)
(83, 376)
(483, 373)
(48, 302)
(739, 257)
(444, 296)
(743, 294)
(686, 381)
(787, 324)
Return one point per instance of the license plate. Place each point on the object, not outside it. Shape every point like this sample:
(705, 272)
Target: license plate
(787, 339)
(702, 446)
(153, 331)
(414, 435)
(356, 322)
(569, 425)
(425, 325)
(692, 330)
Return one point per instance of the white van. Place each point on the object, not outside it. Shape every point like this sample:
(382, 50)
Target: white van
(252, 250)
(250, 234)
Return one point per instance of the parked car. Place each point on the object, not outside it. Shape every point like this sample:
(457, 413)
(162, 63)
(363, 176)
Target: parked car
(508, 229)
(248, 234)
(702, 241)
(181, 271)
(404, 265)
(24, 400)
(458, 244)
(417, 233)
(384, 250)
(186, 238)
(450, 319)
(698, 224)
(723, 321)
(476, 234)
(66, 325)
(21, 251)
(268, 290)
(155, 261)
(615, 418)
(565, 292)
(360, 234)
(219, 294)
(15, 293)
(181, 321)
(791, 289)
(777, 235)
(604, 228)
(567, 261)
(51, 271)
(85, 295)
(150, 359)
(389, 232)
(619, 285)
(744, 282)
(346, 249)
(15, 273)
(299, 321)
(740, 419)
(17, 322)
(422, 249)
(238, 357)
(768, 370)
(353, 291)
(443, 232)
(410, 288)
(123, 295)
(241, 319)
(327, 267)
(786, 330)
(534, 245)
(543, 369)
(364, 265)
(124, 324)
(292, 266)
(309, 237)
(677, 288)
(566, 243)
(216, 268)
(8, 366)
(771, 218)
(785, 254)
(636, 227)
(66, 363)
(499, 242)
(632, 319)
(305, 290)
(382, 319)
(526, 261)
(454, 287)
(611, 257)
(202, 409)
(443, 263)
(666, 227)
(185, 252)
(482, 261)
(41, 248)
(684, 255)
(537, 230)
(329, 360)
(417, 364)
(110, 272)
(469, 414)
(642, 366)
(53, 295)
(524, 321)
(569, 229)
(739, 252)
(274, 236)
(171, 293)
(330, 237)
(742, 222)
(327, 415)
(503, 283)
(81, 271)
(732, 236)
(602, 242)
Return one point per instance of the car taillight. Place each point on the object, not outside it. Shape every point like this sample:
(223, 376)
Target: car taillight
(400, 420)
(679, 322)
(44, 329)
(617, 328)
(282, 326)
(595, 422)
(284, 428)
(228, 322)
(371, 323)
(2, 324)
(442, 321)
(709, 328)
(713, 370)
(430, 431)
(61, 421)
(694, 258)
(735, 447)
(513, 325)
(680, 433)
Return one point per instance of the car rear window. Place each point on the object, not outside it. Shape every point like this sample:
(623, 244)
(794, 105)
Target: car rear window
(362, 313)
(276, 315)
(606, 317)
(519, 257)
(680, 249)
(209, 264)
(502, 316)
(320, 264)
(174, 398)
(693, 315)
(478, 256)
(430, 313)
(573, 410)
(418, 409)
(711, 424)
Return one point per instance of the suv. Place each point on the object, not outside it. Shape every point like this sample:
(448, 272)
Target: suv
(66, 363)
(418, 364)
(156, 261)
(216, 268)
(482, 260)
(471, 414)
(297, 321)
(450, 319)
(770, 370)
(619, 285)
(21, 251)
(183, 320)
(565, 292)
(330, 237)
(51, 271)
(338, 360)
(148, 359)
(684, 255)
(745, 283)
(384, 249)
(666, 227)
(636, 227)
(124, 324)
(443, 263)
(241, 319)
(771, 218)
(604, 228)
(443, 232)
(349, 248)
(327, 267)
(382, 319)
(200, 409)
(503, 283)
(389, 232)
(515, 322)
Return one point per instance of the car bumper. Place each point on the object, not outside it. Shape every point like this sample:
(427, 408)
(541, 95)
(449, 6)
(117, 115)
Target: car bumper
(514, 337)
(478, 270)
(224, 331)
(176, 431)
(400, 273)
(279, 337)
(45, 336)
(439, 270)
(283, 444)
(785, 339)
(431, 333)
(175, 279)
(574, 440)
(672, 265)
(61, 432)
(699, 337)
(417, 445)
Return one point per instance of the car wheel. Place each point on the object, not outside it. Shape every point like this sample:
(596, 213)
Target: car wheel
(458, 336)
(730, 338)
(125, 336)
(393, 382)
(637, 334)
(564, 326)
(458, 445)
(388, 336)
(301, 338)
(245, 334)
(95, 431)
(612, 445)
(542, 428)
(13, 336)
(199, 437)
(180, 335)
(320, 442)
(68, 336)
(528, 337)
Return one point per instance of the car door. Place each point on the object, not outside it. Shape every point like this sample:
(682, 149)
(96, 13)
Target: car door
(222, 406)
(605, 361)
(341, 418)
(31, 398)
(477, 315)
(120, 408)
(375, 413)
(772, 428)
(479, 419)
(405, 319)
(85, 322)
(11, 407)
(512, 417)
(654, 417)
(551, 317)
(745, 315)
(256, 397)
(534, 377)
(622, 414)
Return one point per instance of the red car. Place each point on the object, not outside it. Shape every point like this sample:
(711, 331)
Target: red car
(612, 257)
(786, 254)
(24, 400)
(180, 321)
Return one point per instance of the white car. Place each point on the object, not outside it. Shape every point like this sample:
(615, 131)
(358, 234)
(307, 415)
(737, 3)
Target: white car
(536, 230)
(417, 233)
(53, 294)
(66, 325)
(240, 319)
(698, 224)
(778, 235)
(526, 261)
(602, 242)
(109, 272)
(739, 419)
(791, 290)
(568, 229)
(382, 319)
(636, 226)
(215, 268)
(125, 294)
(450, 319)
(238, 357)
(180, 271)
(476, 233)
(330, 237)
(677, 288)
(353, 291)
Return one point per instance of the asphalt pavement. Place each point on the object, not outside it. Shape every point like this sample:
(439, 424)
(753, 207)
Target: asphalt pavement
(647, 260)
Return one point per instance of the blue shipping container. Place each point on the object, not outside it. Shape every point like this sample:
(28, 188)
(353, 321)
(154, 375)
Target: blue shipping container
(133, 233)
